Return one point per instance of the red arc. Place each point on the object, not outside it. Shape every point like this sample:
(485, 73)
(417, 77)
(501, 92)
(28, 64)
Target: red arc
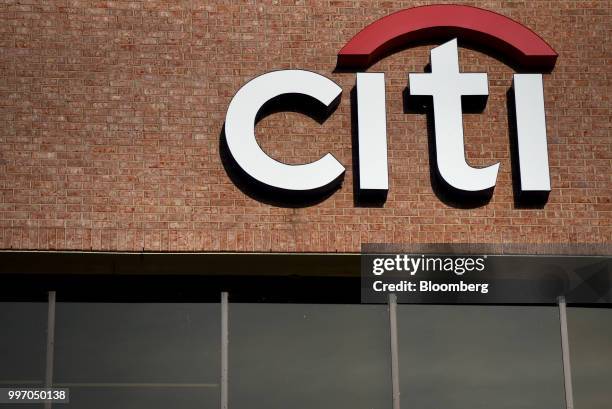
(479, 26)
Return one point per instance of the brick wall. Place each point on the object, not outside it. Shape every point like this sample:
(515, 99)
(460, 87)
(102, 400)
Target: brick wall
(111, 114)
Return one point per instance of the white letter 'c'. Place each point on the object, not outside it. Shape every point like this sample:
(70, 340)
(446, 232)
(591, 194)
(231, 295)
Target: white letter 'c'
(240, 130)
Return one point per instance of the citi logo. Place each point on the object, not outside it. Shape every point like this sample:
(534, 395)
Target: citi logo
(444, 88)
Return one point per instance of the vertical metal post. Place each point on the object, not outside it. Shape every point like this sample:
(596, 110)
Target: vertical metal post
(224, 350)
(394, 351)
(50, 344)
(567, 369)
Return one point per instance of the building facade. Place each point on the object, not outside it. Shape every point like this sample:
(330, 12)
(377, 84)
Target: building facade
(133, 245)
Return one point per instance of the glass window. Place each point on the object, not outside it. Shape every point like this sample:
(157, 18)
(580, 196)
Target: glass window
(305, 356)
(23, 344)
(590, 342)
(138, 355)
(480, 357)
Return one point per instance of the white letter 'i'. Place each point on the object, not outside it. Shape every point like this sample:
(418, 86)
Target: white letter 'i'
(531, 132)
(372, 131)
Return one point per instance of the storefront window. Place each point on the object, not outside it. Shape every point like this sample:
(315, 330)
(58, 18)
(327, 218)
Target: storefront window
(138, 355)
(309, 356)
(160, 355)
(480, 357)
(590, 340)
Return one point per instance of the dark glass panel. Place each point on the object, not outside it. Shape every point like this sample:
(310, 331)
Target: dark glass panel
(138, 355)
(305, 356)
(590, 340)
(23, 344)
(480, 357)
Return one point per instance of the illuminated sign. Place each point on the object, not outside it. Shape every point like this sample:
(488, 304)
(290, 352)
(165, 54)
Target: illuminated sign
(445, 85)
